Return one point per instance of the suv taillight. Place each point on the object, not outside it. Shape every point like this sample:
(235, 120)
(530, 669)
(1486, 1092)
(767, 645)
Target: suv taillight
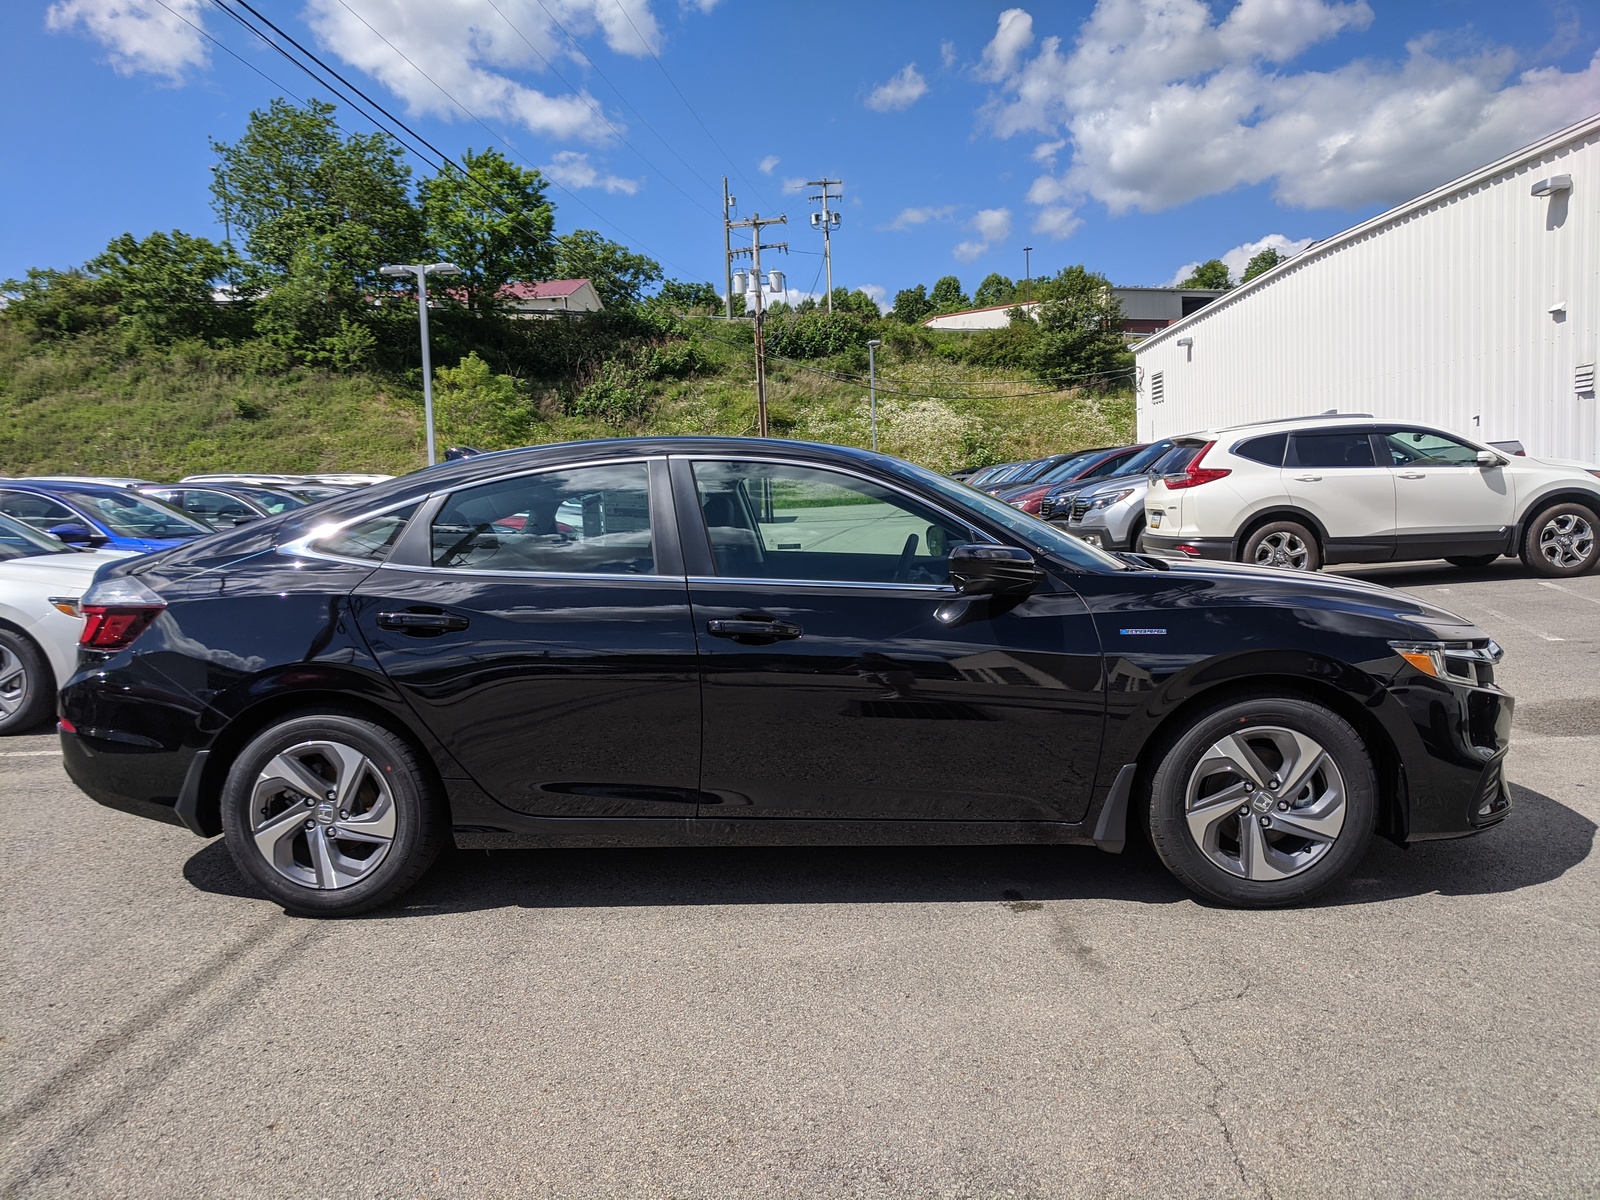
(1195, 474)
(116, 611)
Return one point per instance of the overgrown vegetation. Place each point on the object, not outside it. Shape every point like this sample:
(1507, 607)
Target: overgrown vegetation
(289, 352)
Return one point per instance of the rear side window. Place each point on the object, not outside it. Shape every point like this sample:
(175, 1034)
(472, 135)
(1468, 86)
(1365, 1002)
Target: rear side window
(369, 540)
(1351, 448)
(1267, 449)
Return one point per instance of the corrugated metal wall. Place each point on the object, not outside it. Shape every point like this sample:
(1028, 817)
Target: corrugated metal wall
(1438, 315)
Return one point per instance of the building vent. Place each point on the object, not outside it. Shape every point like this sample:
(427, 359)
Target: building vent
(1583, 380)
(1158, 385)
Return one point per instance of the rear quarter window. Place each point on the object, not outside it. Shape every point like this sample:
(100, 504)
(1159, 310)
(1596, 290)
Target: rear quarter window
(1267, 449)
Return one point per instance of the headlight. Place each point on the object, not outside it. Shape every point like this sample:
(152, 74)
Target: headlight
(1111, 498)
(1460, 662)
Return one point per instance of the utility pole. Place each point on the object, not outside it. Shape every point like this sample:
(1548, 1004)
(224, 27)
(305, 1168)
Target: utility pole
(1027, 270)
(827, 221)
(727, 249)
(755, 225)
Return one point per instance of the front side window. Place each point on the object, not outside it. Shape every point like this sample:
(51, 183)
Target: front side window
(1340, 448)
(585, 520)
(23, 541)
(217, 509)
(35, 510)
(787, 521)
(1424, 448)
(369, 539)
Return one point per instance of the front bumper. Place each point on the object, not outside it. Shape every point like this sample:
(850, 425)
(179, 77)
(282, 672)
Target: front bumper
(1454, 769)
(1168, 545)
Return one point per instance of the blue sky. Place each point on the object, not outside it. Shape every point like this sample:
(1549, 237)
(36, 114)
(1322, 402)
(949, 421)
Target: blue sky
(1135, 136)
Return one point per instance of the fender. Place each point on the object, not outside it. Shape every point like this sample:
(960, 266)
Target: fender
(1563, 492)
(1277, 511)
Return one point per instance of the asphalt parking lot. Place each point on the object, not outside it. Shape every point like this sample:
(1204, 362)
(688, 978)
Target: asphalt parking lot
(818, 1022)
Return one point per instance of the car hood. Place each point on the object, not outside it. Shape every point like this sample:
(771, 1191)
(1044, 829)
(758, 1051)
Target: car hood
(1115, 484)
(1566, 464)
(61, 570)
(1332, 592)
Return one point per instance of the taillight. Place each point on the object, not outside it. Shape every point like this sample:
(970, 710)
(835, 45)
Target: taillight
(1195, 475)
(117, 610)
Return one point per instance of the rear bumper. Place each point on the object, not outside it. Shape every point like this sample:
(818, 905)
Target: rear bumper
(1219, 549)
(144, 780)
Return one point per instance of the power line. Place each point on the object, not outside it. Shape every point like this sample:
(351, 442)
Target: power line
(645, 42)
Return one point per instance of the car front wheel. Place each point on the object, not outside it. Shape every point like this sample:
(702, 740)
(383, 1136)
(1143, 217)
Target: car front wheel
(330, 815)
(1263, 801)
(1561, 541)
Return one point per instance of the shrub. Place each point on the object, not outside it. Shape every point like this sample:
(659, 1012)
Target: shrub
(614, 396)
(814, 334)
(476, 407)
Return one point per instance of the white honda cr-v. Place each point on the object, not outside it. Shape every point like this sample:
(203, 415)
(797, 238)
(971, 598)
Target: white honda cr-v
(1317, 490)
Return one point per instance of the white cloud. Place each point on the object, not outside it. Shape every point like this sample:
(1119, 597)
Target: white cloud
(573, 170)
(1057, 221)
(1239, 257)
(880, 295)
(904, 90)
(1012, 36)
(991, 225)
(767, 164)
(947, 54)
(910, 218)
(797, 184)
(1045, 152)
(141, 35)
(1162, 102)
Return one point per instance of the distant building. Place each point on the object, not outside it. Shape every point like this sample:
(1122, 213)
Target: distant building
(1474, 307)
(551, 296)
(1144, 310)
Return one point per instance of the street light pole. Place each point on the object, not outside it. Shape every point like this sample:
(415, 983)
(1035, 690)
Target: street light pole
(872, 387)
(422, 271)
(1027, 271)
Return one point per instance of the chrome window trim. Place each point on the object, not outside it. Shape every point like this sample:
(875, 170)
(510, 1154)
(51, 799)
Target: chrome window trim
(567, 576)
(942, 589)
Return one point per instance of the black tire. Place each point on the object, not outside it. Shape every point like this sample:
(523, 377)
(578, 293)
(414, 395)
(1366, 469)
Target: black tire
(1562, 541)
(1180, 764)
(1471, 562)
(1287, 545)
(28, 686)
(417, 829)
(1136, 537)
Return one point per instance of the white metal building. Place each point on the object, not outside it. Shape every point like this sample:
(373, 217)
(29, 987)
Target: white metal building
(1475, 308)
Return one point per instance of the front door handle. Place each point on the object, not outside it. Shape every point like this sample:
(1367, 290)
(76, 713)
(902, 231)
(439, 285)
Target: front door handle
(761, 631)
(1308, 478)
(1412, 475)
(413, 621)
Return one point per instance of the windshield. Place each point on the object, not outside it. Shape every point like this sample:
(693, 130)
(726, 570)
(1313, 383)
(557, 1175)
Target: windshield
(18, 541)
(1067, 469)
(273, 502)
(135, 516)
(1055, 542)
(1145, 459)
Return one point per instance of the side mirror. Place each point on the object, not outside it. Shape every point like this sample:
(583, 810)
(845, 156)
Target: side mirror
(74, 534)
(1488, 458)
(244, 518)
(985, 570)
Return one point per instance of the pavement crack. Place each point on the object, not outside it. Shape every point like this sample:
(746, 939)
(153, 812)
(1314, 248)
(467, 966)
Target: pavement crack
(1214, 1107)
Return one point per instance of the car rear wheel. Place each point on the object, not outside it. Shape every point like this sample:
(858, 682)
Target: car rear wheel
(1561, 541)
(1263, 801)
(330, 815)
(1471, 562)
(1284, 544)
(27, 688)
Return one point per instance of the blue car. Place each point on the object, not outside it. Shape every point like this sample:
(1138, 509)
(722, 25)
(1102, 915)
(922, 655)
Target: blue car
(97, 515)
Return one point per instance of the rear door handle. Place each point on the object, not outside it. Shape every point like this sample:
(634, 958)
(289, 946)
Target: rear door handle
(1308, 478)
(772, 630)
(412, 621)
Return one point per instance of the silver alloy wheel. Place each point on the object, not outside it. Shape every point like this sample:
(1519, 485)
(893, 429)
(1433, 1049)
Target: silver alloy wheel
(1283, 549)
(1265, 803)
(322, 814)
(1566, 540)
(13, 683)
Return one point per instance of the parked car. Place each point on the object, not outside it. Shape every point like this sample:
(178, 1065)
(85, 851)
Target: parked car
(222, 506)
(984, 474)
(109, 480)
(94, 515)
(1058, 499)
(1095, 464)
(1026, 472)
(755, 642)
(41, 580)
(1319, 490)
(1110, 513)
(337, 479)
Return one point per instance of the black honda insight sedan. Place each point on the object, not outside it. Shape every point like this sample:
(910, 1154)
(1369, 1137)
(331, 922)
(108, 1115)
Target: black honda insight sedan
(710, 641)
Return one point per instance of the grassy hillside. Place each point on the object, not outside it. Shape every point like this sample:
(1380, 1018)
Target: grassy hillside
(102, 403)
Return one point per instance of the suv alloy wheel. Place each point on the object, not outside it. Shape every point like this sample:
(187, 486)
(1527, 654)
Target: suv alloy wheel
(1561, 541)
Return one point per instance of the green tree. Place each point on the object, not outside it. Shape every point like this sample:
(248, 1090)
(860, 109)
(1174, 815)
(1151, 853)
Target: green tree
(688, 297)
(164, 284)
(912, 304)
(492, 220)
(1260, 264)
(619, 275)
(319, 214)
(995, 289)
(947, 295)
(863, 305)
(1212, 274)
(58, 304)
(1080, 330)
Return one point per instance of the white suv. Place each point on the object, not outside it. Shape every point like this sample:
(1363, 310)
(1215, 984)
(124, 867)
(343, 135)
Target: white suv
(1317, 490)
